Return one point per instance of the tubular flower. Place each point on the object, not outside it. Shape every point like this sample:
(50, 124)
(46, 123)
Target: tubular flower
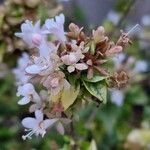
(37, 125)
(32, 34)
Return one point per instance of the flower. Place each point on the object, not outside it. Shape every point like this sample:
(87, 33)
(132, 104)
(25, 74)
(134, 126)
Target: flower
(47, 49)
(114, 50)
(141, 66)
(56, 82)
(56, 27)
(72, 59)
(75, 31)
(29, 94)
(40, 66)
(117, 97)
(99, 34)
(120, 79)
(113, 16)
(20, 74)
(146, 20)
(32, 34)
(37, 125)
(45, 63)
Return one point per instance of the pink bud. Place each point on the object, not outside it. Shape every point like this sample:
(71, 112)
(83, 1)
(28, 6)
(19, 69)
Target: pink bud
(36, 39)
(114, 50)
(54, 82)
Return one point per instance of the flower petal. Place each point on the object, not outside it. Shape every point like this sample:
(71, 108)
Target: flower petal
(23, 101)
(81, 66)
(29, 122)
(60, 19)
(66, 84)
(49, 122)
(71, 69)
(39, 115)
(25, 90)
(60, 128)
(33, 69)
(37, 25)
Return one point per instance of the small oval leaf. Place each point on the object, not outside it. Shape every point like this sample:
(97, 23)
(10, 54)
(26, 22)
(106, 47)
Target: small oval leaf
(98, 89)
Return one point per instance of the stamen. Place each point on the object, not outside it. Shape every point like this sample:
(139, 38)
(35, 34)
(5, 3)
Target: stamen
(29, 134)
(27, 129)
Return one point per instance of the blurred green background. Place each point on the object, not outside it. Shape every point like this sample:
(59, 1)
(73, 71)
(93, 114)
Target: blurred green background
(107, 127)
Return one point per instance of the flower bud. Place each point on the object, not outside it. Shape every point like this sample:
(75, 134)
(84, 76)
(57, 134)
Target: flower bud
(36, 39)
(54, 82)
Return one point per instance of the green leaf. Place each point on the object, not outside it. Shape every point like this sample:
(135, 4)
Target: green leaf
(98, 89)
(96, 78)
(67, 97)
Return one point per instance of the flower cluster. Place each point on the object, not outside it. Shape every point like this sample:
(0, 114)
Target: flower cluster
(68, 69)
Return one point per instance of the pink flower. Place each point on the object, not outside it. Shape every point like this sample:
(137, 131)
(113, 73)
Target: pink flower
(56, 82)
(37, 125)
(99, 34)
(72, 61)
(114, 50)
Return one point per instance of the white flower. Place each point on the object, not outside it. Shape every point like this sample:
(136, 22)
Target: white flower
(47, 49)
(119, 60)
(20, 74)
(113, 17)
(146, 20)
(37, 125)
(29, 94)
(117, 97)
(32, 34)
(56, 27)
(72, 61)
(140, 66)
(41, 66)
(45, 63)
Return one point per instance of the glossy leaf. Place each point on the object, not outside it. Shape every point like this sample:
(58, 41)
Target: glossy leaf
(98, 89)
(96, 78)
